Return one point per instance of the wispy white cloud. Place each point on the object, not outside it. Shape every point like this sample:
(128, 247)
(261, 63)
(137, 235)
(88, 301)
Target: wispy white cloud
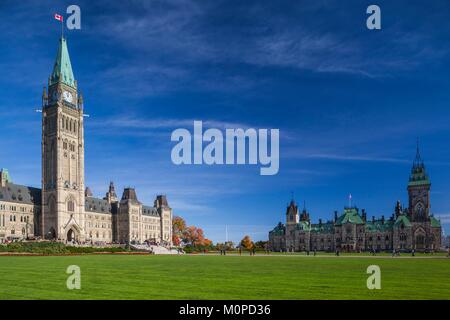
(171, 39)
(163, 123)
(444, 218)
(355, 158)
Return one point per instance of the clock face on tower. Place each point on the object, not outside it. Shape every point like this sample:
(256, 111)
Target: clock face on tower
(67, 96)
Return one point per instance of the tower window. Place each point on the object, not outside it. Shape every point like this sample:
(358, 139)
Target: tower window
(70, 206)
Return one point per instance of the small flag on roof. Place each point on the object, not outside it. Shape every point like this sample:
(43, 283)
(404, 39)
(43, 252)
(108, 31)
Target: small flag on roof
(58, 17)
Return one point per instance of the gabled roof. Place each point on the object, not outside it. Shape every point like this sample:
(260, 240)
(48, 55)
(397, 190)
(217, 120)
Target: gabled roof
(62, 70)
(435, 223)
(350, 215)
(402, 219)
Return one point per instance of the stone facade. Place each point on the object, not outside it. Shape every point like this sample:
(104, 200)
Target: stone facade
(64, 209)
(406, 229)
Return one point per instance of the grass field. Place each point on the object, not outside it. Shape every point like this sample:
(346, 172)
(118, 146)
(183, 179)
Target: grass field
(218, 277)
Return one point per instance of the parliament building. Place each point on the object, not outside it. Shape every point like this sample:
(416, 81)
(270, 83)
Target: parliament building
(410, 228)
(64, 210)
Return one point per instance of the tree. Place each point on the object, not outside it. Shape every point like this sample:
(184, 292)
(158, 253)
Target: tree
(247, 243)
(195, 237)
(207, 243)
(229, 245)
(178, 227)
(176, 240)
(261, 244)
(191, 235)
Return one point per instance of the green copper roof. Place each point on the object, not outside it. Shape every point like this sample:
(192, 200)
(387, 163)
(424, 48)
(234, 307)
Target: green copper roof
(62, 70)
(435, 223)
(327, 227)
(378, 225)
(303, 225)
(279, 230)
(402, 219)
(5, 175)
(350, 216)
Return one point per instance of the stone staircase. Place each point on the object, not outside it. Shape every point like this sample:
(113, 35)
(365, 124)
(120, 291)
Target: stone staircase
(154, 249)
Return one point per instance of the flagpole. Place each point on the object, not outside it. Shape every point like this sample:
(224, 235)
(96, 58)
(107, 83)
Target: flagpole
(62, 27)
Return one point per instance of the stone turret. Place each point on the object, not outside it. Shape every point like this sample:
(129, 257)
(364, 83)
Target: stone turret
(292, 213)
(111, 195)
(44, 97)
(398, 209)
(88, 193)
(161, 201)
(129, 194)
(4, 177)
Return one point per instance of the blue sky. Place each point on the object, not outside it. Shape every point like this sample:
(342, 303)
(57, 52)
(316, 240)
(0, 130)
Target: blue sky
(349, 102)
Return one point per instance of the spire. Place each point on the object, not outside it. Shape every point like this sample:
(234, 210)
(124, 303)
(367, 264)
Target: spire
(44, 97)
(418, 173)
(418, 161)
(292, 199)
(80, 100)
(111, 195)
(112, 189)
(62, 70)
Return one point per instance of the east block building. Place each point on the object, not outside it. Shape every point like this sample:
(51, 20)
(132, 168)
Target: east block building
(64, 209)
(409, 228)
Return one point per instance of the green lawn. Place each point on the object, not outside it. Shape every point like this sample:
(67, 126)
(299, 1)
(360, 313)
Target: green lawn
(218, 277)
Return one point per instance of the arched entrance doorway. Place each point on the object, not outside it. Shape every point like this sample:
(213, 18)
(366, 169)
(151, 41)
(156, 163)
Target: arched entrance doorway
(419, 239)
(72, 236)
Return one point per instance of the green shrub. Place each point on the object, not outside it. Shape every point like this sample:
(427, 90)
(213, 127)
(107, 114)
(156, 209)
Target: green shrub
(53, 248)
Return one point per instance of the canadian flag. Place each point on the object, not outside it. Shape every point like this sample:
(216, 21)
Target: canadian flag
(58, 17)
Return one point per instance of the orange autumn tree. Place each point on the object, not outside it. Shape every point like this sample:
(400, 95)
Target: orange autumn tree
(188, 235)
(247, 243)
(178, 227)
(195, 237)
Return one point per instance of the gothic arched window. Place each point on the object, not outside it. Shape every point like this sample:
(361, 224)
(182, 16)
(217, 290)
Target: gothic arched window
(420, 210)
(70, 206)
